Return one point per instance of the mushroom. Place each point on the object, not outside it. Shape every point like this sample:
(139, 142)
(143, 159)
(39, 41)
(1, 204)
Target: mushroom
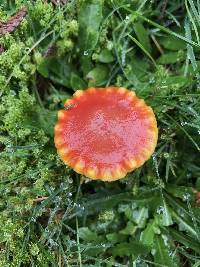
(104, 133)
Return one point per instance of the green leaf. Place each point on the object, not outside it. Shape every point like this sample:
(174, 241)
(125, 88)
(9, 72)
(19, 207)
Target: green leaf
(133, 248)
(181, 207)
(97, 76)
(178, 81)
(142, 36)
(166, 215)
(57, 70)
(129, 229)
(184, 224)
(87, 235)
(185, 240)
(171, 57)
(140, 216)
(162, 253)
(115, 238)
(147, 236)
(42, 68)
(96, 203)
(76, 82)
(172, 43)
(180, 191)
(138, 67)
(143, 49)
(89, 18)
(196, 264)
(190, 50)
(106, 56)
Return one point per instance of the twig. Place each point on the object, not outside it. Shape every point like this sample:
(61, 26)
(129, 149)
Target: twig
(59, 2)
(13, 22)
(1, 49)
(157, 44)
(163, 9)
(39, 199)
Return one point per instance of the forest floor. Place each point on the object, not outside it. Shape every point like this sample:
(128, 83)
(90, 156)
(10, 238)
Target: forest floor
(51, 216)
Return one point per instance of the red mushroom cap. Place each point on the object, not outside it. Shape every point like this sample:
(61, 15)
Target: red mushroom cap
(104, 133)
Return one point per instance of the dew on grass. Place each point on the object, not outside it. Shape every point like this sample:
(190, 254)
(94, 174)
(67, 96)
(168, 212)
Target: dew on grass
(52, 243)
(124, 53)
(186, 197)
(155, 164)
(160, 210)
(70, 181)
(151, 80)
(171, 253)
(12, 93)
(181, 213)
(165, 239)
(33, 219)
(183, 123)
(138, 259)
(127, 19)
(166, 155)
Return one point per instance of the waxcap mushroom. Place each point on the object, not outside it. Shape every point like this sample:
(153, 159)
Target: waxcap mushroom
(104, 133)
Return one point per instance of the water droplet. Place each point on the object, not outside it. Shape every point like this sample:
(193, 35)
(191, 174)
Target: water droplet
(33, 219)
(70, 194)
(70, 181)
(183, 123)
(127, 18)
(171, 253)
(138, 260)
(155, 164)
(124, 53)
(180, 212)
(12, 93)
(165, 239)
(152, 80)
(153, 251)
(52, 243)
(186, 197)
(166, 155)
(188, 175)
(160, 209)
